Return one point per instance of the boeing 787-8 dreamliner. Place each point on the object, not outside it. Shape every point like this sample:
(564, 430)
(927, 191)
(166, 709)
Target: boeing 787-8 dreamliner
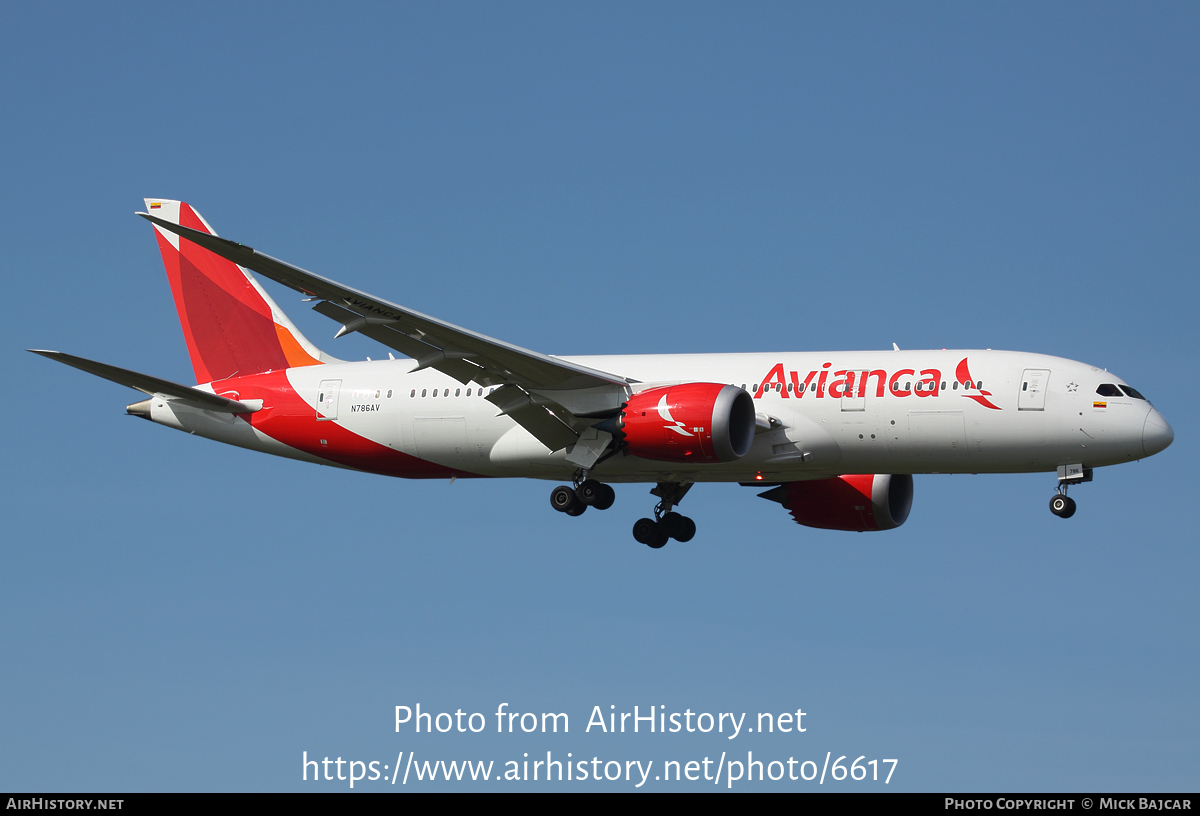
(835, 436)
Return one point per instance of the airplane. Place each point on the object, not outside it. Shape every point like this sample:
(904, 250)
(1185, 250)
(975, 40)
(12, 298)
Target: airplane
(835, 436)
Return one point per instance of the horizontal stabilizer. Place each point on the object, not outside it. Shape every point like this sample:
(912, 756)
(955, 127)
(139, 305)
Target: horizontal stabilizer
(151, 385)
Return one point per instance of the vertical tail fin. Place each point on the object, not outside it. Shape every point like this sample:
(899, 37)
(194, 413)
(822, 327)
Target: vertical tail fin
(231, 325)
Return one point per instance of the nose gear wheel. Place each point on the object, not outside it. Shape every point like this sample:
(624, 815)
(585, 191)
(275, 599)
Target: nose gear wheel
(1062, 506)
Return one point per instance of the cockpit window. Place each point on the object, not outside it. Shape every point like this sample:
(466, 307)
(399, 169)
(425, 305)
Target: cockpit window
(1131, 392)
(1108, 390)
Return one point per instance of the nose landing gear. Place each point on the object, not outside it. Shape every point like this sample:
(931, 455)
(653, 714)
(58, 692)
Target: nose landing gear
(666, 524)
(1060, 504)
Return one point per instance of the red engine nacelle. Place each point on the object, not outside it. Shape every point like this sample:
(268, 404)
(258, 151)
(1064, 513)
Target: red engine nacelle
(692, 422)
(858, 502)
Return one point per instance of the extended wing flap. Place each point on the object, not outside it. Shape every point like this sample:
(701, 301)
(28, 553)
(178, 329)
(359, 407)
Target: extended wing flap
(151, 385)
(541, 423)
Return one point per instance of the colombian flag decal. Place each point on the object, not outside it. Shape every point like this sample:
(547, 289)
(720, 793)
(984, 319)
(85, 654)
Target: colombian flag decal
(156, 205)
(1099, 404)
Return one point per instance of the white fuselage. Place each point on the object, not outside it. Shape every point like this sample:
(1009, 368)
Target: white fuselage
(929, 418)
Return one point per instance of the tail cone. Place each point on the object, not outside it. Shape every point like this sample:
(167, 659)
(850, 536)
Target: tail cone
(139, 409)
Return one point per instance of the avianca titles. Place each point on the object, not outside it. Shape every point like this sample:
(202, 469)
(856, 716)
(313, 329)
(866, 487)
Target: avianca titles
(835, 436)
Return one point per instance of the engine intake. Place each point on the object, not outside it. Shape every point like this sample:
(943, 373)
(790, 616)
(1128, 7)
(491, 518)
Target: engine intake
(691, 422)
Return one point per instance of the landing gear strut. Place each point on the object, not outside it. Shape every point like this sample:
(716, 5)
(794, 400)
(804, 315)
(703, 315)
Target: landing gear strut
(586, 493)
(1060, 504)
(666, 523)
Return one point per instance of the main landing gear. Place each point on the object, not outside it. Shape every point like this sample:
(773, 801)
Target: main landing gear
(586, 493)
(666, 524)
(1060, 504)
(656, 532)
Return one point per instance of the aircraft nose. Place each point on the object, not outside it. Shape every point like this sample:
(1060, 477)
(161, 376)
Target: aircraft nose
(1157, 433)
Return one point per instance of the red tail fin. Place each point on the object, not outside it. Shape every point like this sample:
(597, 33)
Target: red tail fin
(231, 325)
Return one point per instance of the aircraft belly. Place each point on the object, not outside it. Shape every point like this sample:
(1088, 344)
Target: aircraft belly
(518, 453)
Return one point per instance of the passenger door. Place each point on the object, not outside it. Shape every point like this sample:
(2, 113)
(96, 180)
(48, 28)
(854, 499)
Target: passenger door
(327, 399)
(1033, 389)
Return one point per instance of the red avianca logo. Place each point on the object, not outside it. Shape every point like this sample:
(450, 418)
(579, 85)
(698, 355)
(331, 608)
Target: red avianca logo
(856, 383)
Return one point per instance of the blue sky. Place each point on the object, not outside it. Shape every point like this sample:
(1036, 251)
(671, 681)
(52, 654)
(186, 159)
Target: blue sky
(616, 178)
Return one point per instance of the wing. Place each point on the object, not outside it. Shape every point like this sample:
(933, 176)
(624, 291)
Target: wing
(553, 399)
(152, 385)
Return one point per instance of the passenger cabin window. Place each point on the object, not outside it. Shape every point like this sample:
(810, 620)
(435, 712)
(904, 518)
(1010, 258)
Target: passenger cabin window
(468, 392)
(423, 391)
(413, 394)
(1131, 392)
(1108, 390)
